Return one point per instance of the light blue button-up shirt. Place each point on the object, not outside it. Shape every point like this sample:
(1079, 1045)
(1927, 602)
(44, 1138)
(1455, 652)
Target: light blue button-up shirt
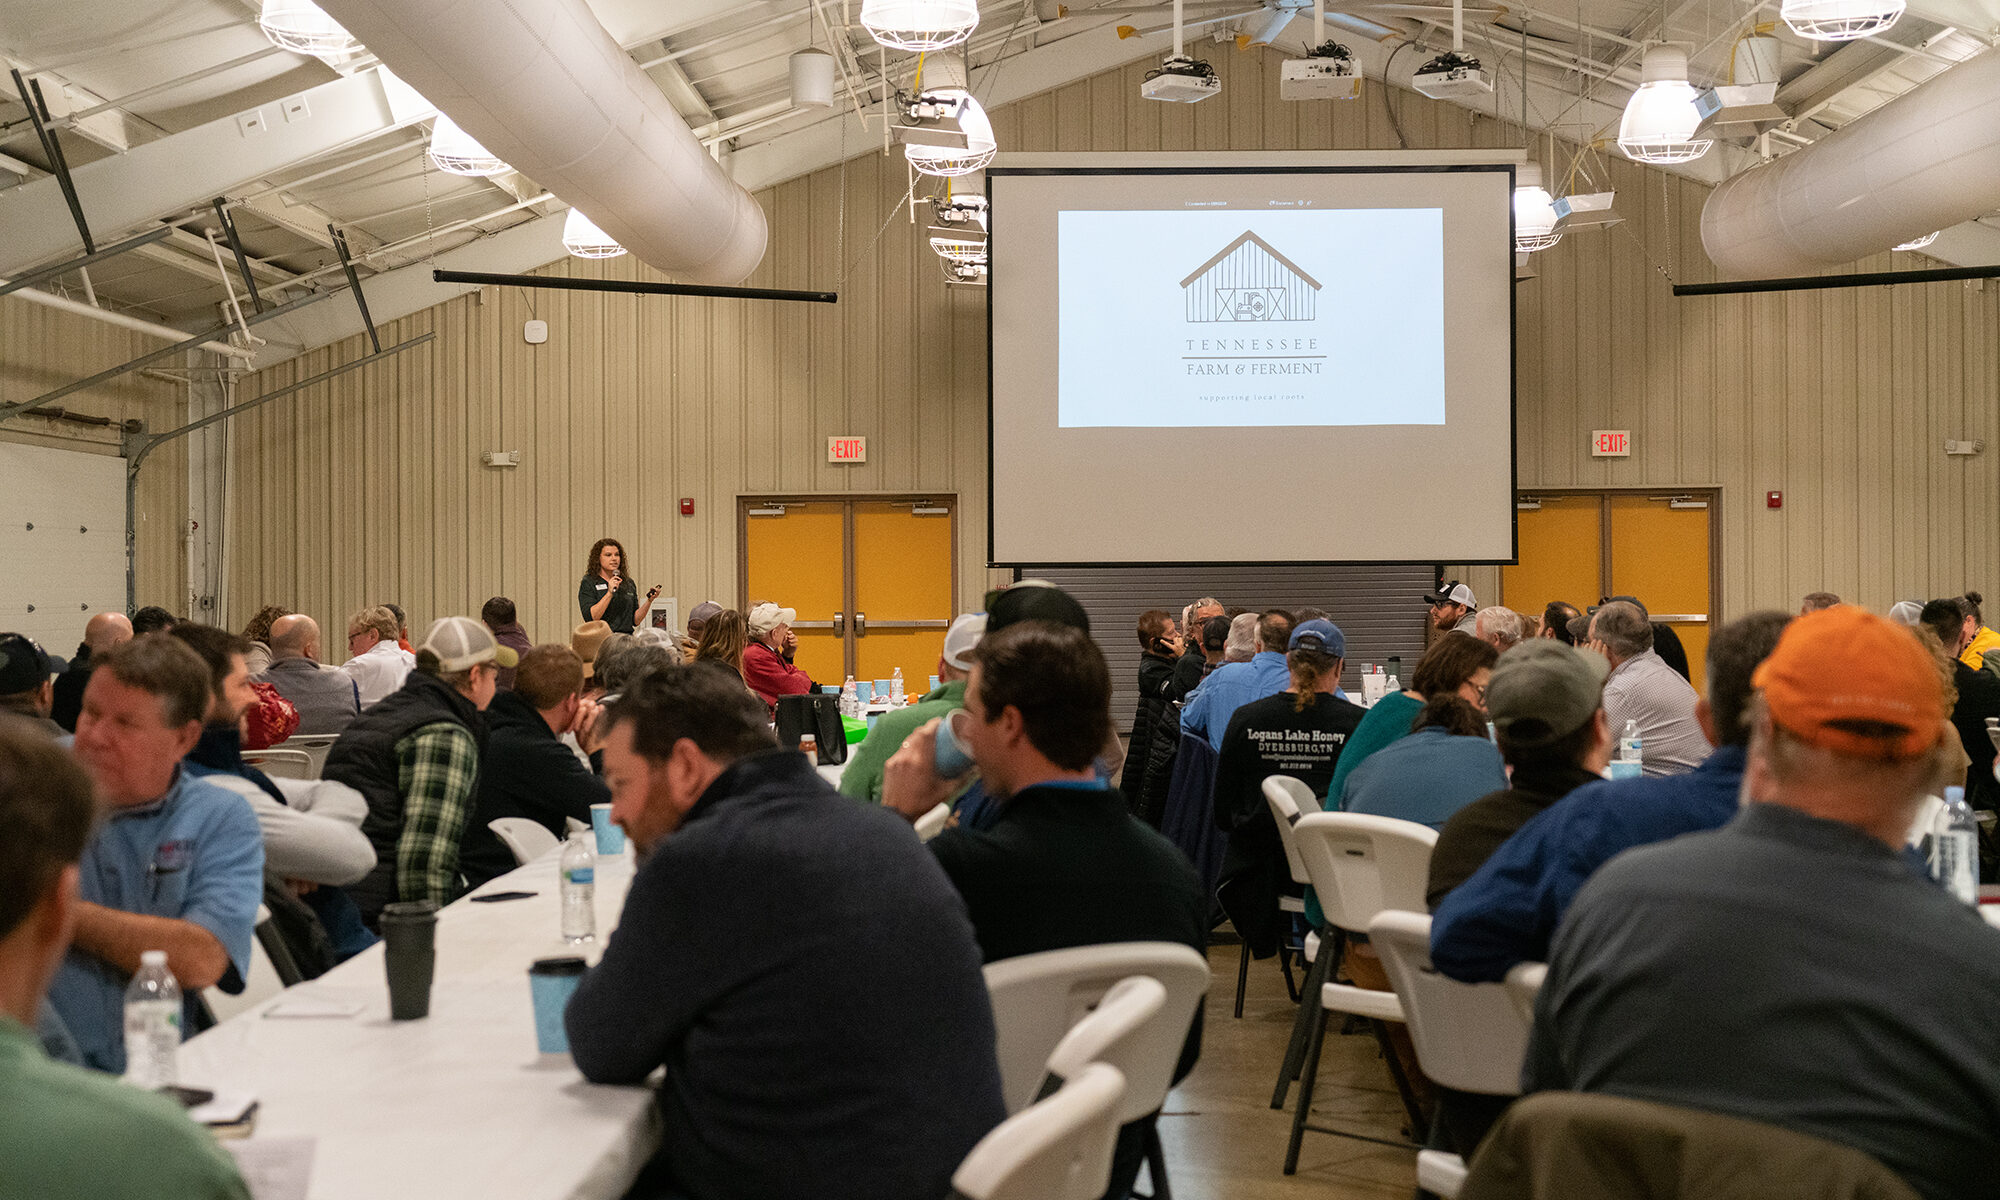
(195, 855)
(1230, 687)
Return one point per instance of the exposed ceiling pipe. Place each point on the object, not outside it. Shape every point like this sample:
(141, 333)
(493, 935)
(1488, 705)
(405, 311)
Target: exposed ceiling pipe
(1926, 160)
(542, 85)
(135, 324)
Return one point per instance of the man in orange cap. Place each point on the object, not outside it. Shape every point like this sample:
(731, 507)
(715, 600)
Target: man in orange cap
(1795, 967)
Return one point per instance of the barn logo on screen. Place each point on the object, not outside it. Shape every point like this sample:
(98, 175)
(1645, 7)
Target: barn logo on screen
(1250, 280)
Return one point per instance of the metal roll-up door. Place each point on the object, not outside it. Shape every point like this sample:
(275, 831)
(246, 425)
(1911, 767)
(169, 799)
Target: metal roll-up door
(1379, 608)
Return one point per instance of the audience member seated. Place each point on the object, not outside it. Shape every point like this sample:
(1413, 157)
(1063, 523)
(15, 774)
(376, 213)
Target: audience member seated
(257, 635)
(1643, 689)
(311, 828)
(525, 769)
(152, 619)
(1666, 643)
(100, 633)
(1196, 661)
(697, 619)
(1794, 967)
(177, 865)
(415, 758)
(327, 698)
(402, 629)
(1160, 648)
(1815, 601)
(1233, 685)
(862, 780)
(616, 672)
(1982, 639)
(1454, 666)
(585, 641)
(375, 662)
(1298, 732)
(498, 615)
(801, 1060)
(723, 639)
(1443, 765)
(1065, 863)
(1555, 621)
(1978, 698)
(1508, 910)
(1502, 628)
(1453, 608)
(767, 658)
(71, 1134)
(1546, 706)
(25, 688)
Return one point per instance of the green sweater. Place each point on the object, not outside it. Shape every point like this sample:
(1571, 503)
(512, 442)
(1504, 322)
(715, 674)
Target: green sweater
(863, 778)
(71, 1133)
(1389, 721)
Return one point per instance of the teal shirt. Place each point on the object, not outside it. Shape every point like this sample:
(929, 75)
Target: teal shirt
(72, 1134)
(863, 778)
(1388, 721)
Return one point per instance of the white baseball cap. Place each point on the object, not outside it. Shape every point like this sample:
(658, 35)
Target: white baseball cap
(1457, 593)
(462, 643)
(962, 637)
(768, 616)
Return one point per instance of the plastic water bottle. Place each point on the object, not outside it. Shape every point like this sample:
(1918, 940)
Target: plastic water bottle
(1628, 743)
(896, 686)
(153, 1024)
(850, 699)
(1954, 847)
(579, 890)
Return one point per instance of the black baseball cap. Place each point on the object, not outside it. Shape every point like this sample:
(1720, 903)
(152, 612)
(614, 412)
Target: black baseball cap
(24, 665)
(1034, 600)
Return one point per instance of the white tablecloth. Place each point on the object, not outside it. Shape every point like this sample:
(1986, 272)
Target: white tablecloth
(460, 1104)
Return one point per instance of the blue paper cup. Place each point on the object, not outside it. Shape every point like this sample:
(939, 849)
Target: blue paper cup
(1621, 769)
(934, 683)
(610, 838)
(864, 689)
(551, 982)
(885, 688)
(950, 757)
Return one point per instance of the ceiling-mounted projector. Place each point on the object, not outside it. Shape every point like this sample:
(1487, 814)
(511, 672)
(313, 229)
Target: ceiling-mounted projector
(1452, 76)
(1327, 73)
(1181, 80)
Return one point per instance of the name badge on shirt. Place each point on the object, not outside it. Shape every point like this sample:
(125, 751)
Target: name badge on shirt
(172, 856)
(601, 586)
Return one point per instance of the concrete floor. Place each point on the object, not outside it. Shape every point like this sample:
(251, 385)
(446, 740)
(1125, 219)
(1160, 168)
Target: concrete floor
(1223, 1140)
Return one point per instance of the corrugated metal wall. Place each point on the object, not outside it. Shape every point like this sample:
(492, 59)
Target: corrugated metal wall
(42, 349)
(1380, 609)
(370, 488)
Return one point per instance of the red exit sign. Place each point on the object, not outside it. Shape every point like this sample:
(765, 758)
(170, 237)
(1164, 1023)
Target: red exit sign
(1611, 443)
(847, 449)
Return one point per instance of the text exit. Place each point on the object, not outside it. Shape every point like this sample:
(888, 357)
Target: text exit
(847, 449)
(1611, 443)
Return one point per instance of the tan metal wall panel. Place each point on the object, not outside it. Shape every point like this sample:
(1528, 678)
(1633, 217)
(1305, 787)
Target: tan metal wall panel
(370, 487)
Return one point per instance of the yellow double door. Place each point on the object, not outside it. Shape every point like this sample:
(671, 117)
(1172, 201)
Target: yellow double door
(873, 580)
(1583, 546)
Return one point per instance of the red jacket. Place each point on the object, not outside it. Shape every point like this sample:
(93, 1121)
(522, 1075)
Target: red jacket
(771, 676)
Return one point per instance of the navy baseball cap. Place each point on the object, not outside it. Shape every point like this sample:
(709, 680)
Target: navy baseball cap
(24, 665)
(1319, 635)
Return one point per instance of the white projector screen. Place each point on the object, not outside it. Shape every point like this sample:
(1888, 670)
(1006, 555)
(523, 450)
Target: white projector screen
(1296, 359)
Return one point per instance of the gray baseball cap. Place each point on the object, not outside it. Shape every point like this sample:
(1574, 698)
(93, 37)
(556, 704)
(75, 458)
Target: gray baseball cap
(1542, 691)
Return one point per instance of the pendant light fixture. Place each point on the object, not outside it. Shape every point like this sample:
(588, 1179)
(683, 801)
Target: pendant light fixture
(583, 239)
(948, 161)
(919, 25)
(1840, 20)
(301, 26)
(1534, 211)
(453, 150)
(1660, 119)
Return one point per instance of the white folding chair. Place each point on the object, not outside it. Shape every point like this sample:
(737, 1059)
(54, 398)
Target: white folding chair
(1468, 1036)
(1058, 1149)
(1127, 1031)
(527, 839)
(1359, 866)
(1288, 798)
(1524, 983)
(280, 763)
(262, 982)
(576, 826)
(1038, 998)
(316, 747)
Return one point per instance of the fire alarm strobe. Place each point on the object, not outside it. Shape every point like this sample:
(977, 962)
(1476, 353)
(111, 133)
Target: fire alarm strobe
(1181, 80)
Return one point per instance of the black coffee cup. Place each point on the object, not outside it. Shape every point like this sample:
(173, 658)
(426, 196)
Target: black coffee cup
(409, 945)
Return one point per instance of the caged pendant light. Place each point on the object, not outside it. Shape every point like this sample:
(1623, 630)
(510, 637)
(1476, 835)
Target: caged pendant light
(919, 25)
(583, 239)
(1534, 211)
(1660, 119)
(1840, 20)
(453, 150)
(301, 26)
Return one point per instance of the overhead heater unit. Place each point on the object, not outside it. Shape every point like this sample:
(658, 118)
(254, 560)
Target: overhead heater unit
(1747, 106)
(1588, 210)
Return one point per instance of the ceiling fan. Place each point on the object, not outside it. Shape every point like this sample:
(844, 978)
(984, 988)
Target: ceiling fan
(1266, 21)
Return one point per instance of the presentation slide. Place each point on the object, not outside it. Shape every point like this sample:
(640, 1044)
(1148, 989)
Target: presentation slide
(1251, 318)
(1251, 358)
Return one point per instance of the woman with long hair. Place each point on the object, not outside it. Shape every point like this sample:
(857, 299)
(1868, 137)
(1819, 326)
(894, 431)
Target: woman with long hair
(607, 592)
(258, 634)
(1458, 666)
(723, 639)
(1445, 764)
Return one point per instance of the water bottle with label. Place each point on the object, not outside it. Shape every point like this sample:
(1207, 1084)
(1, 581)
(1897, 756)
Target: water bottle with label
(1629, 745)
(850, 699)
(579, 890)
(896, 686)
(153, 1024)
(1955, 847)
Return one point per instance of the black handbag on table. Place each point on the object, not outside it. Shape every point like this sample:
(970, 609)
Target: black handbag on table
(819, 715)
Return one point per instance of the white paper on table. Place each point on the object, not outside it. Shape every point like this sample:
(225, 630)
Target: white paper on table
(309, 1007)
(275, 1168)
(227, 1108)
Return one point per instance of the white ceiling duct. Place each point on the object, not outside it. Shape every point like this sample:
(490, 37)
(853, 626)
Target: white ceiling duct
(1926, 160)
(544, 87)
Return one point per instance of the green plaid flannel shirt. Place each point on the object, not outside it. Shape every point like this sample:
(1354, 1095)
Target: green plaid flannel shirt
(437, 765)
